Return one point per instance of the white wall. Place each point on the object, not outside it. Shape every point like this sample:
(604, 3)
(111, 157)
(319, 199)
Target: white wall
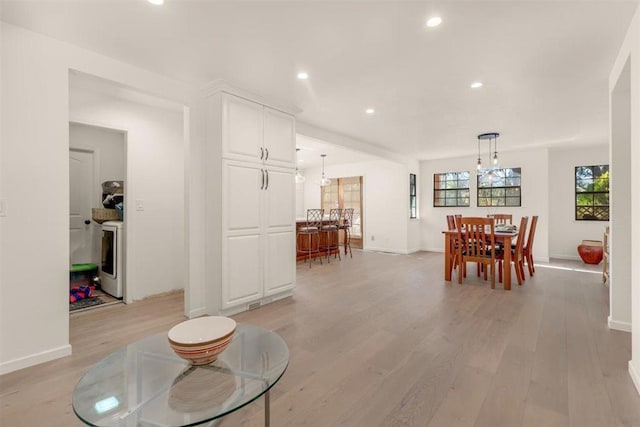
(385, 200)
(534, 190)
(108, 149)
(34, 143)
(565, 233)
(155, 176)
(630, 51)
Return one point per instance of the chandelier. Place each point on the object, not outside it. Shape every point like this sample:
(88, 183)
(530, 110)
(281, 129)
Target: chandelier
(492, 137)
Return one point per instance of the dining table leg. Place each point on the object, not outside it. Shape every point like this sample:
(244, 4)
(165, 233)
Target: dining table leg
(447, 257)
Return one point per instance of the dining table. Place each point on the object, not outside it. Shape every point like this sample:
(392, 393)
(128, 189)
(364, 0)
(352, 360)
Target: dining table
(501, 237)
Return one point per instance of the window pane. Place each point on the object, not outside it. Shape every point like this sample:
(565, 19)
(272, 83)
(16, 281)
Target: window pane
(513, 192)
(513, 201)
(453, 183)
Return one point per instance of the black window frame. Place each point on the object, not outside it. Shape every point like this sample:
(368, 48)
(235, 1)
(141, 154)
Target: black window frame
(501, 183)
(454, 189)
(413, 196)
(591, 210)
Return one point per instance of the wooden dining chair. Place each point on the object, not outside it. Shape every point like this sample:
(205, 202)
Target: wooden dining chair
(502, 218)
(527, 250)
(517, 255)
(476, 237)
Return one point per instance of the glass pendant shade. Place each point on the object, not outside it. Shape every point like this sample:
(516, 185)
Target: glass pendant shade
(324, 181)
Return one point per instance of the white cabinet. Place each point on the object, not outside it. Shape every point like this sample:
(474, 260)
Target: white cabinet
(256, 133)
(258, 245)
(250, 194)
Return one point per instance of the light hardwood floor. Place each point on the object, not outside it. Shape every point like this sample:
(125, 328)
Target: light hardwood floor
(382, 340)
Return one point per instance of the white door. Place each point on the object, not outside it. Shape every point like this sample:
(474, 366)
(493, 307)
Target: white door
(81, 187)
(279, 138)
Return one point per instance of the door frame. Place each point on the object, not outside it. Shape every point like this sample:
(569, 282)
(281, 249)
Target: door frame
(125, 134)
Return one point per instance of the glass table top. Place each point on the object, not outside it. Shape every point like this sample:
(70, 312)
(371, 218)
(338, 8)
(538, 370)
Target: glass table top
(147, 384)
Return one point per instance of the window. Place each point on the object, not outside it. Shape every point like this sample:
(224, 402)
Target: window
(499, 187)
(451, 189)
(592, 193)
(413, 197)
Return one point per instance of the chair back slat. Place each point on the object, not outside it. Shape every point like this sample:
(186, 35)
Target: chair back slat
(502, 218)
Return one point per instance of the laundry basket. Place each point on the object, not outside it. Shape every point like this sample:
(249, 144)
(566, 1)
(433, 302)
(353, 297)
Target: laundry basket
(101, 215)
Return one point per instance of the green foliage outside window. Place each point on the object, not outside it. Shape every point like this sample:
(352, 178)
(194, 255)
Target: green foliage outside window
(451, 189)
(592, 193)
(499, 187)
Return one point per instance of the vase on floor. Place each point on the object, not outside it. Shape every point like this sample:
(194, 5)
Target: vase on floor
(590, 251)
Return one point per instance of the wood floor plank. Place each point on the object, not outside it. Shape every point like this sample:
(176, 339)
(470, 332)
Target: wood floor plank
(382, 340)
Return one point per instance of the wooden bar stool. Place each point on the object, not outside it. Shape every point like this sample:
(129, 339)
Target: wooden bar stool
(330, 232)
(347, 219)
(310, 235)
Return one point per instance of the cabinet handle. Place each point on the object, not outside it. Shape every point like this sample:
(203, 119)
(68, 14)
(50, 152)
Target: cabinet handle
(267, 186)
(261, 153)
(267, 151)
(262, 186)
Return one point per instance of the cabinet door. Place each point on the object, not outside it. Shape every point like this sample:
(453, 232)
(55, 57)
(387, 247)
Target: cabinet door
(280, 262)
(279, 206)
(279, 138)
(241, 269)
(242, 195)
(242, 129)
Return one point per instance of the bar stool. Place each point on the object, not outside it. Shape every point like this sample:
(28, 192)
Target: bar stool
(347, 219)
(331, 234)
(311, 233)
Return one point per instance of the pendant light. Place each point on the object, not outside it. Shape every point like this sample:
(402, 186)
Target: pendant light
(324, 181)
(492, 137)
(299, 177)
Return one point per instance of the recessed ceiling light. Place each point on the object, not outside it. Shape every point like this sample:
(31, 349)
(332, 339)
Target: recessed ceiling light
(434, 22)
(370, 111)
(476, 85)
(303, 76)
(156, 2)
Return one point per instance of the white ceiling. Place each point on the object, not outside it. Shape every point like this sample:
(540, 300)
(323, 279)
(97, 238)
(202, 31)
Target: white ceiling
(544, 64)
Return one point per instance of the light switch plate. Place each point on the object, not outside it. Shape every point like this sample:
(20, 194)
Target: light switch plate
(139, 204)
(3, 207)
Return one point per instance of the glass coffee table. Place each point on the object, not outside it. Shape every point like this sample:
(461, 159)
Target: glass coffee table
(147, 384)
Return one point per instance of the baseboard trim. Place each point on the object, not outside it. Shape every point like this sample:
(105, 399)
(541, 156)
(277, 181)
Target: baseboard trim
(618, 325)
(635, 377)
(197, 312)
(34, 359)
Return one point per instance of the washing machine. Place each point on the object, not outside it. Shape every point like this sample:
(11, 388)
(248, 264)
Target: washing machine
(112, 265)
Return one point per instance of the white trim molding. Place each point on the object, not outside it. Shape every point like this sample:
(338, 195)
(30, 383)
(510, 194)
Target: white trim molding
(34, 359)
(220, 85)
(618, 325)
(635, 376)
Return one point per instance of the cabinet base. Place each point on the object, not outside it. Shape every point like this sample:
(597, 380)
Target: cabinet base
(256, 304)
